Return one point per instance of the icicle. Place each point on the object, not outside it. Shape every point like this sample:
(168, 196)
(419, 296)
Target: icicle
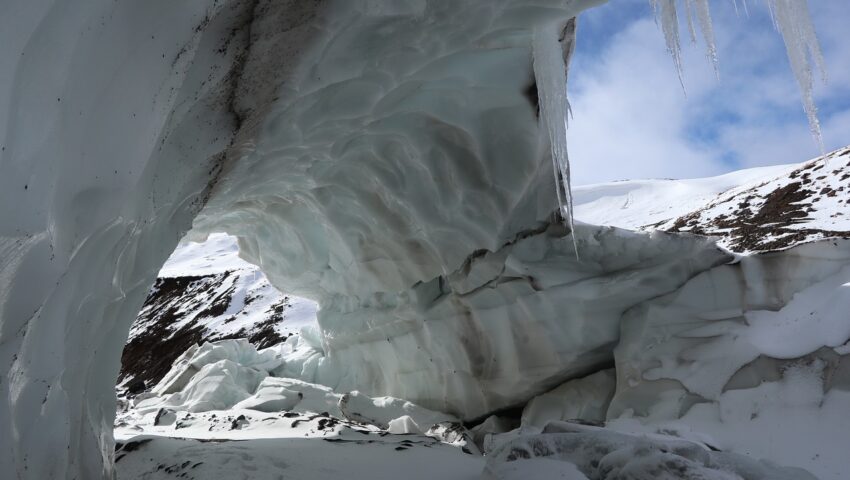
(689, 14)
(790, 17)
(704, 18)
(665, 13)
(746, 8)
(792, 20)
(550, 73)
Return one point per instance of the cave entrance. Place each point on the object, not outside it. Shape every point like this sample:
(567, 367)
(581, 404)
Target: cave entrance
(205, 293)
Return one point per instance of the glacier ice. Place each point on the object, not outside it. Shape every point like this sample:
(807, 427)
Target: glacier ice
(550, 72)
(586, 399)
(384, 161)
(493, 334)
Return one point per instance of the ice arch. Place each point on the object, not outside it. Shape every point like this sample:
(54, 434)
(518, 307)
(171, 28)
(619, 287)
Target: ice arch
(382, 157)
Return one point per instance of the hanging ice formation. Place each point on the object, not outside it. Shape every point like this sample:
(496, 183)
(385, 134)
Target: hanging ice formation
(550, 73)
(790, 17)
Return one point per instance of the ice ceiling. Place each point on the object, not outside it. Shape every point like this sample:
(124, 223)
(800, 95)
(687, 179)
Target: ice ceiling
(389, 159)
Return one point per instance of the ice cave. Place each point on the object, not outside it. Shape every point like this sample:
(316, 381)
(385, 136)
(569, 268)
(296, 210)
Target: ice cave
(403, 164)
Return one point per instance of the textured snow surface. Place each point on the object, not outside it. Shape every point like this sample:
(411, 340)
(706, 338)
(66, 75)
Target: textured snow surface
(749, 357)
(346, 455)
(601, 454)
(227, 423)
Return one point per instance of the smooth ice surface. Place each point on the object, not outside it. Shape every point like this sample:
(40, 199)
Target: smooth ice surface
(494, 334)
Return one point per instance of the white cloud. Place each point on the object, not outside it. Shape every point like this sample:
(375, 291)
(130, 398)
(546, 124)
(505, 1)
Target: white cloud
(632, 120)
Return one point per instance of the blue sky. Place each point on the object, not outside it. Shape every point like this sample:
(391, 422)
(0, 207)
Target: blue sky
(631, 118)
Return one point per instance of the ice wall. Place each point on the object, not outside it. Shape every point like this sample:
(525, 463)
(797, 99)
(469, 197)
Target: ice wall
(114, 117)
(505, 326)
(120, 120)
(751, 357)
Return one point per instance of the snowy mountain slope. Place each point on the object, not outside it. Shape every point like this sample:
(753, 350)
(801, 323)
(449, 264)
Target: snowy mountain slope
(205, 292)
(758, 209)
(638, 204)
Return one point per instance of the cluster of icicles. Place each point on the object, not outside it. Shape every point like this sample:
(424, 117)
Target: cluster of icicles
(790, 17)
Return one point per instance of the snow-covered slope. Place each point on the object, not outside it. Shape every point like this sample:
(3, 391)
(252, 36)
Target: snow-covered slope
(642, 204)
(205, 292)
(759, 209)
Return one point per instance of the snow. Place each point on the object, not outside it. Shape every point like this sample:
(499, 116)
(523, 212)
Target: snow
(805, 204)
(351, 456)
(282, 426)
(604, 454)
(219, 253)
(759, 209)
(746, 357)
(642, 204)
(249, 295)
(232, 374)
(814, 317)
